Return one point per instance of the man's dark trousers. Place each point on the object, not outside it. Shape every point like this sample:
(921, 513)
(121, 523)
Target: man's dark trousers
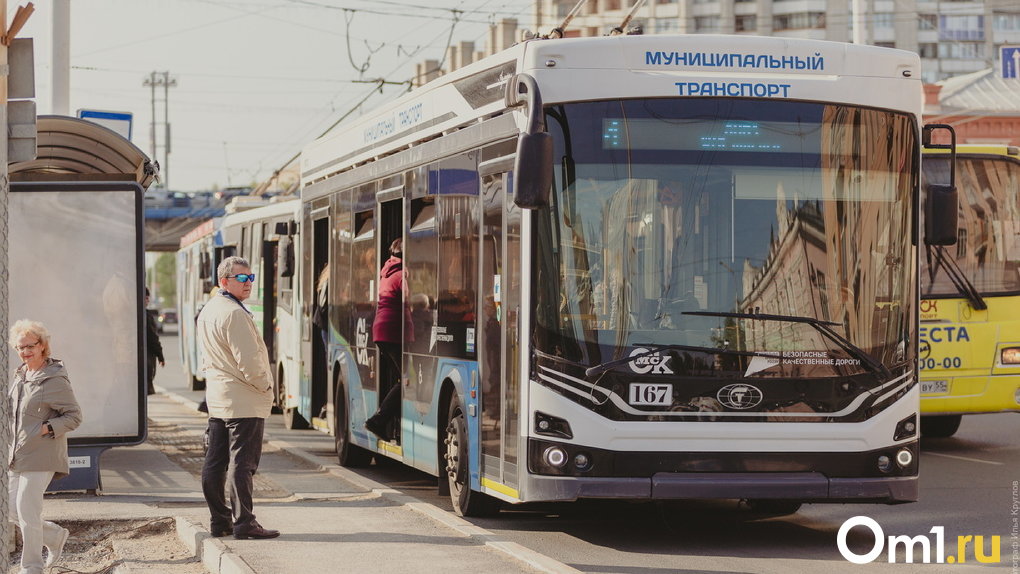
(235, 448)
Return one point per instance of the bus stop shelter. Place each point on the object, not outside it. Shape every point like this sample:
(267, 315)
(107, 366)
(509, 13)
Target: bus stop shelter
(77, 230)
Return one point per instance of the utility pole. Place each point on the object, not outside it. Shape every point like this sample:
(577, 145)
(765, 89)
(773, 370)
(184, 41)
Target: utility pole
(157, 79)
(62, 57)
(5, 537)
(858, 12)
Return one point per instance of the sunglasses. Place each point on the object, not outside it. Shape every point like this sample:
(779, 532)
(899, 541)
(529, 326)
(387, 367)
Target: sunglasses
(243, 277)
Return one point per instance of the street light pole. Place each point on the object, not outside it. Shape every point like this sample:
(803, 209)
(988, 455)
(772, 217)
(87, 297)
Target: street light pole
(154, 80)
(168, 83)
(151, 81)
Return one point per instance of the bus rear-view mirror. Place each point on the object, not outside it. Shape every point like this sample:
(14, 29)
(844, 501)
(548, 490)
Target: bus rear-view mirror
(941, 215)
(533, 170)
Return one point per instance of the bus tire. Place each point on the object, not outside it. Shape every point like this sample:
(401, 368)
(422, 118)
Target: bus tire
(277, 396)
(466, 502)
(348, 455)
(292, 419)
(940, 426)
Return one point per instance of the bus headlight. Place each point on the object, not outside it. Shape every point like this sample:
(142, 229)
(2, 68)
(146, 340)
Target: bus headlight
(552, 426)
(1010, 356)
(906, 428)
(555, 456)
(582, 461)
(884, 464)
(904, 457)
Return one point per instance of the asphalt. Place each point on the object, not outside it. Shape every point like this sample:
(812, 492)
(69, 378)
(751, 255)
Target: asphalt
(331, 518)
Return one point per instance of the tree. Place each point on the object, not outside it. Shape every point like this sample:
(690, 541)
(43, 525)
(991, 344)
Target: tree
(165, 275)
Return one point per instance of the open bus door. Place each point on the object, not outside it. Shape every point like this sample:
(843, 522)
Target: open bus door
(391, 227)
(269, 296)
(499, 350)
(320, 319)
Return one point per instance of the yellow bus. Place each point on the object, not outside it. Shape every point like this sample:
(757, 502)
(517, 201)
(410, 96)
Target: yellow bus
(969, 340)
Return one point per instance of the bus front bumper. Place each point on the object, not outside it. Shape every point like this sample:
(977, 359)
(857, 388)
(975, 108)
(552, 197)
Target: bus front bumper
(802, 486)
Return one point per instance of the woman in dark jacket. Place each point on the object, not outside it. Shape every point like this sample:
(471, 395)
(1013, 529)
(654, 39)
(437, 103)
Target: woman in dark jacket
(392, 323)
(43, 409)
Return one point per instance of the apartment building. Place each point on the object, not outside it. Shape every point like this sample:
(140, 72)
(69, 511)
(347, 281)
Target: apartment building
(952, 37)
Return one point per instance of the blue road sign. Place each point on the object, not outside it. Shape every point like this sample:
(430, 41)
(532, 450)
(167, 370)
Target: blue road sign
(1010, 61)
(119, 122)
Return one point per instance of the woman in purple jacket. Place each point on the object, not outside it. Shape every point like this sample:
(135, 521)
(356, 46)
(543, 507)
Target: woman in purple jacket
(391, 325)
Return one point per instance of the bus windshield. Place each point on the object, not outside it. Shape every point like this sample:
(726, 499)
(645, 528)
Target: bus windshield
(986, 250)
(672, 220)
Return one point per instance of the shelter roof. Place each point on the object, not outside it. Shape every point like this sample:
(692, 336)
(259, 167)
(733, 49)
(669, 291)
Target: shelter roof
(74, 149)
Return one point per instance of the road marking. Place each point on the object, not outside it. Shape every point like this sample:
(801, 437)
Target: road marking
(965, 458)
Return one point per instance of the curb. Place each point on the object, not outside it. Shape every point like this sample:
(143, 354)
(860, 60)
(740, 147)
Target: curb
(214, 554)
(219, 559)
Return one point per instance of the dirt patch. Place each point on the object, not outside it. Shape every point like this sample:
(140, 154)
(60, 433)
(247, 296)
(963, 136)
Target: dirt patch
(113, 546)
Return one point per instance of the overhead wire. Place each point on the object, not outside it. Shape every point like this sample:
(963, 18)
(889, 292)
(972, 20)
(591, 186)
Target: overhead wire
(449, 40)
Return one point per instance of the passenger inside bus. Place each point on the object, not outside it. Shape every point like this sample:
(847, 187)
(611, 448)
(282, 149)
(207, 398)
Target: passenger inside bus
(391, 324)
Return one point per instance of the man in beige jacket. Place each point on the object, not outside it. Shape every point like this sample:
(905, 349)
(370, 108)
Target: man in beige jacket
(239, 392)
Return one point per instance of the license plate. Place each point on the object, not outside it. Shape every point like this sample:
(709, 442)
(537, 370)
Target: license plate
(654, 394)
(934, 387)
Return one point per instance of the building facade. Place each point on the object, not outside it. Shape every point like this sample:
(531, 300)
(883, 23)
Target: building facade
(952, 37)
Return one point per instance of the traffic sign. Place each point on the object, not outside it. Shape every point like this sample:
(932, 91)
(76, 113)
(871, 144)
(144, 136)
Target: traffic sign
(1010, 56)
(119, 122)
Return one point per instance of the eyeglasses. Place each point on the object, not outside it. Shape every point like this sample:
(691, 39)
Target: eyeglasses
(243, 277)
(21, 348)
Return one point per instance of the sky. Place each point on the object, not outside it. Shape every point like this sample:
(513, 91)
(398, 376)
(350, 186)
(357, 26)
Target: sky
(256, 80)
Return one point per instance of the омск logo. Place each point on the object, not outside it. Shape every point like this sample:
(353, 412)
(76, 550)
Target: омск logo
(739, 396)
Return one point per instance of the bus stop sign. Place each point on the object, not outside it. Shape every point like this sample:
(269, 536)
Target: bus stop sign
(119, 122)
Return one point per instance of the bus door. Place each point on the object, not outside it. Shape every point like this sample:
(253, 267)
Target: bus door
(320, 320)
(269, 293)
(498, 339)
(391, 227)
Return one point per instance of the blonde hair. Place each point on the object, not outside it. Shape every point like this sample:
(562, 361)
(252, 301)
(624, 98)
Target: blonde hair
(23, 327)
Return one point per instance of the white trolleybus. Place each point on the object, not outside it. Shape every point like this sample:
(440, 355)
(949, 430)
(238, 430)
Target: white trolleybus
(636, 267)
(196, 277)
(264, 233)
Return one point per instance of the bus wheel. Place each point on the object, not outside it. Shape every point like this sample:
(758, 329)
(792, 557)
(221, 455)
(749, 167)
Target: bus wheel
(348, 454)
(466, 502)
(278, 392)
(772, 507)
(292, 419)
(940, 426)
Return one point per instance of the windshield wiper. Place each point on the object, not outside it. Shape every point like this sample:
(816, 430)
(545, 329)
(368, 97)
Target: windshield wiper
(956, 275)
(652, 349)
(818, 324)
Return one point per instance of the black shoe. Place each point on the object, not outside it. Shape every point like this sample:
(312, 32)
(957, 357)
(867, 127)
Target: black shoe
(221, 531)
(377, 427)
(255, 531)
(203, 407)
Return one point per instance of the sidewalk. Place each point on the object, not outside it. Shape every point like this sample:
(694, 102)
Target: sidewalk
(328, 516)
